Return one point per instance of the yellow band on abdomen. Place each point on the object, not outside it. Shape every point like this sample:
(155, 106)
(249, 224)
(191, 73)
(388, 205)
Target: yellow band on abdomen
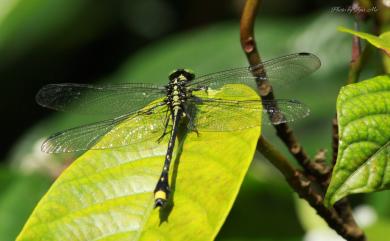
(160, 195)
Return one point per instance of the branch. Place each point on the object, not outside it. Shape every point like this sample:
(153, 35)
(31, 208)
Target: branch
(357, 60)
(284, 132)
(303, 187)
(342, 222)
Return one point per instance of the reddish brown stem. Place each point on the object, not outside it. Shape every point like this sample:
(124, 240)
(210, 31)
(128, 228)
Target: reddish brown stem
(284, 132)
(297, 180)
(302, 186)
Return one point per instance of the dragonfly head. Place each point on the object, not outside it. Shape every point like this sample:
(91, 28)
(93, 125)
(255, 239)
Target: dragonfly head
(182, 74)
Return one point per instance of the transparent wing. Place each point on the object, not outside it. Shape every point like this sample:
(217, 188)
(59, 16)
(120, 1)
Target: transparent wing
(284, 110)
(231, 115)
(94, 99)
(282, 69)
(223, 115)
(121, 131)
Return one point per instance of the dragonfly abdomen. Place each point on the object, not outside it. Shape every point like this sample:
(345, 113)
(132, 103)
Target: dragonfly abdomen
(162, 190)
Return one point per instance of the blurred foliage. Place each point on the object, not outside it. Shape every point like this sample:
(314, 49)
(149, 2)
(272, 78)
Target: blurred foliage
(18, 196)
(382, 41)
(264, 199)
(24, 24)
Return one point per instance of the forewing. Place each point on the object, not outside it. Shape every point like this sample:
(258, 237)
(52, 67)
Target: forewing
(98, 99)
(278, 70)
(121, 131)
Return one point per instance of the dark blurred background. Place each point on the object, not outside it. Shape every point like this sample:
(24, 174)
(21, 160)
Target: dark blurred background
(84, 41)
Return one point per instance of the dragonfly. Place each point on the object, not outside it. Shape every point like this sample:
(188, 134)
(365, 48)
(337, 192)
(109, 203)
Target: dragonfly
(179, 103)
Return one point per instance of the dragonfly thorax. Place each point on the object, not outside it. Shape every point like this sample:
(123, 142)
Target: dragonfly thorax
(177, 92)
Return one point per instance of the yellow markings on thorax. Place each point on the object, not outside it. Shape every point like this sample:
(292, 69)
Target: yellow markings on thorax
(175, 92)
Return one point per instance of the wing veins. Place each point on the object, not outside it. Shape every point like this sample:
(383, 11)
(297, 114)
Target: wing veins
(98, 99)
(86, 136)
(307, 63)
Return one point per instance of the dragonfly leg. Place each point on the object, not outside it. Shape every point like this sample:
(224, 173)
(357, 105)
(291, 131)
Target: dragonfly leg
(196, 131)
(161, 137)
(192, 126)
(191, 122)
(201, 87)
(165, 127)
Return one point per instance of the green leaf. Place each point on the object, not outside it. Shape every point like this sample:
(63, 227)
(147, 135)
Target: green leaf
(382, 42)
(362, 165)
(108, 195)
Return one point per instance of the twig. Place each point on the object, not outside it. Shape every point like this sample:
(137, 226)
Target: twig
(344, 210)
(320, 160)
(302, 186)
(343, 207)
(297, 180)
(320, 156)
(284, 132)
(358, 59)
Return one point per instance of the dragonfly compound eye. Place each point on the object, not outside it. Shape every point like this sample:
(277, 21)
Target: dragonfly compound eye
(188, 74)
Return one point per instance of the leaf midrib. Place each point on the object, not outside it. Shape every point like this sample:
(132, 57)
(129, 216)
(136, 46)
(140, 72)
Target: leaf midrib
(363, 164)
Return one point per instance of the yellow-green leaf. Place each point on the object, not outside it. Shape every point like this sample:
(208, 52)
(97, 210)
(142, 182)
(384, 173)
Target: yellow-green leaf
(108, 195)
(363, 161)
(382, 41)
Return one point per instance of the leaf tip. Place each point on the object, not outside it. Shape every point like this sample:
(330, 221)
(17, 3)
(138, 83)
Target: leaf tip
(342, 29)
